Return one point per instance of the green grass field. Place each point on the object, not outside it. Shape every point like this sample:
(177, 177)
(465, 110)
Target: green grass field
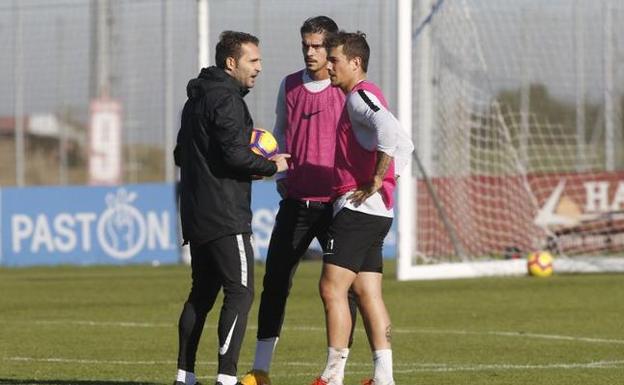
(117, 325)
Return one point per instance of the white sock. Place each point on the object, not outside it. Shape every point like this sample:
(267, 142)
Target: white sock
(336, 362)
(187, 377)
(264, 353)
(382, 363)
(226, 380)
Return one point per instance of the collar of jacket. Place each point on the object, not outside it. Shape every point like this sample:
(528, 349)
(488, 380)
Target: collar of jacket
(214, 73)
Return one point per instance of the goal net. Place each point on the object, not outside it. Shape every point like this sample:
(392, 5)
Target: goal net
(517, 138)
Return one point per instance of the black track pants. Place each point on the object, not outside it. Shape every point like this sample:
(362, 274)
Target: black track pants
(296, 225)
(226, 262)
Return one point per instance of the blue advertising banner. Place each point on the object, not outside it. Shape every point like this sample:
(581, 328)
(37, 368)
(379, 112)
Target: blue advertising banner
(89, 225)
(265, 203)
(125, 224)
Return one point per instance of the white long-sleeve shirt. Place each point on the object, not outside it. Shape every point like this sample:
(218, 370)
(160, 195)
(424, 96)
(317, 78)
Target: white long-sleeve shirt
(376, 129)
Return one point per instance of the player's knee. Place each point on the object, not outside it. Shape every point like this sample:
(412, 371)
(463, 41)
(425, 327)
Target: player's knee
(278, 280)
(240, 297)
(353, 295)
(329, 291)
(276, 289)
(365, 293)
(201, 300)
(247, 296)
(247, 301)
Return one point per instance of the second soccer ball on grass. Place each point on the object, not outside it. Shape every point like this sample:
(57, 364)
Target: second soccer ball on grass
(540, 264)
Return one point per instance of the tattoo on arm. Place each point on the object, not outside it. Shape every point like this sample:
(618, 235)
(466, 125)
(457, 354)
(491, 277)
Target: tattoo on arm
(383, 163)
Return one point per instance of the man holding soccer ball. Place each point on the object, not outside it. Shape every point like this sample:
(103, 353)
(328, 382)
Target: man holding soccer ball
(216, 167)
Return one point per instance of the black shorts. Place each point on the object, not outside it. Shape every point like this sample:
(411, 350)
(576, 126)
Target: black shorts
(356, 240)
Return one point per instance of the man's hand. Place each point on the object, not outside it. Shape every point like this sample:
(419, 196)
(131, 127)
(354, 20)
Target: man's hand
(280, 161)
(361, 194)
(282, 187)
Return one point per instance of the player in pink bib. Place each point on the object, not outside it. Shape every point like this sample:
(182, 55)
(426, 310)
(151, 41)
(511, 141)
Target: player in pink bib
(371, 148)
(307, 113)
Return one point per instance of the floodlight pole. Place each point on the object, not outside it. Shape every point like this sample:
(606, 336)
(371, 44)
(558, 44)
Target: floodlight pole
(103, 49)
(167, 10)
(608, 87)
(18, 70)
(203, 61)
(203, 33)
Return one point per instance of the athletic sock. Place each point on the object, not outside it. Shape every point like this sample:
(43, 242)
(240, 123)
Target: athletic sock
(224, 379)
(187, 377)
(264, 353)
(336, 362)
(382, 363)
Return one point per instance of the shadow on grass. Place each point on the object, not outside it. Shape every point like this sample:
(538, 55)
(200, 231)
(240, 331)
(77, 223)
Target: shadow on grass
(6, 381)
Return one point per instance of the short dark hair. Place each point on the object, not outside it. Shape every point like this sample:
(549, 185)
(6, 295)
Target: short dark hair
(229, 45)
(319, 24)
(353, 45)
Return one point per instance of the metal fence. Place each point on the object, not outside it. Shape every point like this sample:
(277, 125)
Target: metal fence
(61, 56)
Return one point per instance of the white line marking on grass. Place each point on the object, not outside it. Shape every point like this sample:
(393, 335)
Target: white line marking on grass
(350, 364)
(322, 329)
(511, 334)
(402, 368)
(112, 323)
(94, 323)
(444, 368)
(213, 363)
(559, 337)
(86, 361)
(485, 367)
(467, 332)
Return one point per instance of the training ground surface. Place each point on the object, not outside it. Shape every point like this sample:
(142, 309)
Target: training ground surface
(117, 325)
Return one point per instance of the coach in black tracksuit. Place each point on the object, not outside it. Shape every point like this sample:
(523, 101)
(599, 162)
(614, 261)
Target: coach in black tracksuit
(217, 168)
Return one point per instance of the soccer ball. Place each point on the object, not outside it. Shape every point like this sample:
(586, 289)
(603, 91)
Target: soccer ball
(540, 264)
(263, 143)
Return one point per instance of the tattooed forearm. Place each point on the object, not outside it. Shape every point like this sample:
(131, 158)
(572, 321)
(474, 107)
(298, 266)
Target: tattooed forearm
(383, 163)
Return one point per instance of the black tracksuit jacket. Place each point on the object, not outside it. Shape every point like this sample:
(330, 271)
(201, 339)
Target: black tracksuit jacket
(216, 163)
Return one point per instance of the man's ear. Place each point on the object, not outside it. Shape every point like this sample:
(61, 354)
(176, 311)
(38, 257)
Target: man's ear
(357, 61)
(230, 63)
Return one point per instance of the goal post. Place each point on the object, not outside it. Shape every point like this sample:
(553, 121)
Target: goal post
(506, 166)
(406, 188)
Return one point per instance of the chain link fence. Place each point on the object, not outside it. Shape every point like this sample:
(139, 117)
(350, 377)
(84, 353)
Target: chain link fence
(61, 56)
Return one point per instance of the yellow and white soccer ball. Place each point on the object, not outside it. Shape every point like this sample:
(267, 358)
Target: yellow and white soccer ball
(263, 143)
(540, 264)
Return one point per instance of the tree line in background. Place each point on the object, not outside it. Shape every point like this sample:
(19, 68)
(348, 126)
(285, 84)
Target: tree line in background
(45, 165)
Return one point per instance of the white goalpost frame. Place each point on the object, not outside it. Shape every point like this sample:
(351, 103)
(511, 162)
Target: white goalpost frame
(406, 192)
